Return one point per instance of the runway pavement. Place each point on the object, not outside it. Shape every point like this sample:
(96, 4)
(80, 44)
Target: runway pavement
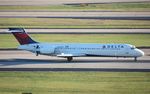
(83, 31)
(80, 15)
(26, 61)
(57, 2)
(99, 18)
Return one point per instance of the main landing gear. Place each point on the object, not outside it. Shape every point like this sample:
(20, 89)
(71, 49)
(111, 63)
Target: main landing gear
(135, 59)
(69, 59)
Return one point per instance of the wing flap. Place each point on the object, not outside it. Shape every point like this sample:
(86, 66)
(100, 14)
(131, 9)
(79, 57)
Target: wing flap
(70, 55)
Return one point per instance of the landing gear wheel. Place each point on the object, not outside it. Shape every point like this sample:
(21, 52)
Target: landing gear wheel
(69, 59)
(135, 59)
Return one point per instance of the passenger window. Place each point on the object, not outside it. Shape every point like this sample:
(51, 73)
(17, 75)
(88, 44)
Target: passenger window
(122, 47)
(104, 46)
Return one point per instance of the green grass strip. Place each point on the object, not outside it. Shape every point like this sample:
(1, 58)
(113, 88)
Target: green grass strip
(71, 23)
(143, 6)
(8, 40)
(75, 82)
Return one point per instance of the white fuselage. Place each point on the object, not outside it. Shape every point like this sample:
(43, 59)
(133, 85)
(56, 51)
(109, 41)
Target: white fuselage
(77, 49)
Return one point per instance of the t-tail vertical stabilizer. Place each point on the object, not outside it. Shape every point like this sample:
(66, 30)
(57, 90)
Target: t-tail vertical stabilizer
(21, 36)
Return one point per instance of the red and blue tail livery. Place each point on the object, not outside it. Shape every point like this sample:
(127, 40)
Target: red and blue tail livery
(21, 36)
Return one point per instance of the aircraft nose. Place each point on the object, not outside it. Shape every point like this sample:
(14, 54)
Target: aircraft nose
(140, 53)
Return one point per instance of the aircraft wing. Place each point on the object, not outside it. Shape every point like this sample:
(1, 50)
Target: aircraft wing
(70, 55)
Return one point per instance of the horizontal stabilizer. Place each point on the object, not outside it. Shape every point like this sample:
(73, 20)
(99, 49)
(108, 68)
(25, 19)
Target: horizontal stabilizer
(16, 30)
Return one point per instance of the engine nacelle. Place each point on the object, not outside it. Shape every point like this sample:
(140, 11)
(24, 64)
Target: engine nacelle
(47, 50)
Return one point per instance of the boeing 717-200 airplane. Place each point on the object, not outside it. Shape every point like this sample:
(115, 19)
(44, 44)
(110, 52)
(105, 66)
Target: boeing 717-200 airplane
(70, 50)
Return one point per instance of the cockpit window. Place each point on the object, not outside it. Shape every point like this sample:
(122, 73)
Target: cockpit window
(133, 47)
